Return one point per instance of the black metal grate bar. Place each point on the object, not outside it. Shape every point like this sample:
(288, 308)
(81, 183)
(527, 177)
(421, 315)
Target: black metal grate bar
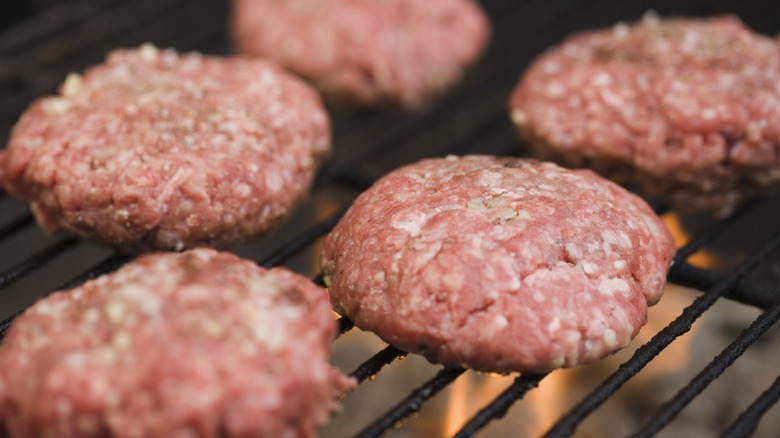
(411, 404)
(501, 404)
(371, 367)
(15, 226)
(567, 424)
(108, 264)
(6, 323)
(35, 262)
(344, 325)
(712, 371)
(746, 292)
(748, 421)
(48, 24)
(302, 241)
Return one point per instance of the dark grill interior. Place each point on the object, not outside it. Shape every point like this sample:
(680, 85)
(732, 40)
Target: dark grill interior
(40, 43)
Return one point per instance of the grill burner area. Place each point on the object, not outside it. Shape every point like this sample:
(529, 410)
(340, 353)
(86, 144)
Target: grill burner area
(742, 266)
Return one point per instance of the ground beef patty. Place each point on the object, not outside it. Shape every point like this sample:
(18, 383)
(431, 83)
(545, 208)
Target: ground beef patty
(195, 344)
(687, 108)
(153, 149)
(501, 264)
(366, 51)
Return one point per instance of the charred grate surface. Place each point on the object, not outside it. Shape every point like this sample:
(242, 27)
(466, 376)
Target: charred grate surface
(37, 52)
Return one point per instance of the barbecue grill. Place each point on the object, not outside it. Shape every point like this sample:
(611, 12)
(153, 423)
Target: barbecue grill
(45, 42)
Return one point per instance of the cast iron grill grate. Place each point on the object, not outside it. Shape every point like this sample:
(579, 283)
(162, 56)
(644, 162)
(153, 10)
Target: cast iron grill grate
(37, 53)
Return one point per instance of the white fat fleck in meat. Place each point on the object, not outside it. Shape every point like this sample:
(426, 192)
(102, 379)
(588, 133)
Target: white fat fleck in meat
(593, 246)
(551, 67)
(91, 315)
(602, 79)
(505, 214)
(709, 114)
(243, 190)
(121, 341)
(524, 215)
(620, 30)
(609, 237)
(590, 268)
(447, 207)
(213, 327)
(614, 286)
(273, 182)
(572, 342)
(476, 204)
(172, 186)
(489, 178)
(64, 407)
(115, 311)
(72, 85)
(610, 338)
(555, 90)
(495, 325)
(519, 117)
(149, 302)
(49, 307)
(229, 127)
(574, 251)
(453, 281)
(77, 360)
(263, 286)
(612, 99)
(554, 325)
(624, 240)
(149, 52)
(409, 221)
(56, 105)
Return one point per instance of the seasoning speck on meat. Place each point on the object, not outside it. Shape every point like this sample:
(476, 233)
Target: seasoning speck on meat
(500, 264)
(196, 344)
(158, 150)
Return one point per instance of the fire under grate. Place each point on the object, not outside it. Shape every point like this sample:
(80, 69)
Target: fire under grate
(37, 52)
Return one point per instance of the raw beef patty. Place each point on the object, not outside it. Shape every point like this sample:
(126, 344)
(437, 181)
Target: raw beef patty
(687, 108)
(402, 52)
(500, 264)
(157, 150)
(197, 344)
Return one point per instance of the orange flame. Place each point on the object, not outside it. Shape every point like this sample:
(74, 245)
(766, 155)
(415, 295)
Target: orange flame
(701, 258)
(457, 409)
(470, 393)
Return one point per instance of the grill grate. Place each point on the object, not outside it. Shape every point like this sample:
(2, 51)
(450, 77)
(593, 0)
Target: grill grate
(37, 53)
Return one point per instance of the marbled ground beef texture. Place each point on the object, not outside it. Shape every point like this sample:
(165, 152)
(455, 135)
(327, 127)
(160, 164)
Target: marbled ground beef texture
(366, 52)
(500, 264)
(687, 108)
(158, 150)
(193, 344)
